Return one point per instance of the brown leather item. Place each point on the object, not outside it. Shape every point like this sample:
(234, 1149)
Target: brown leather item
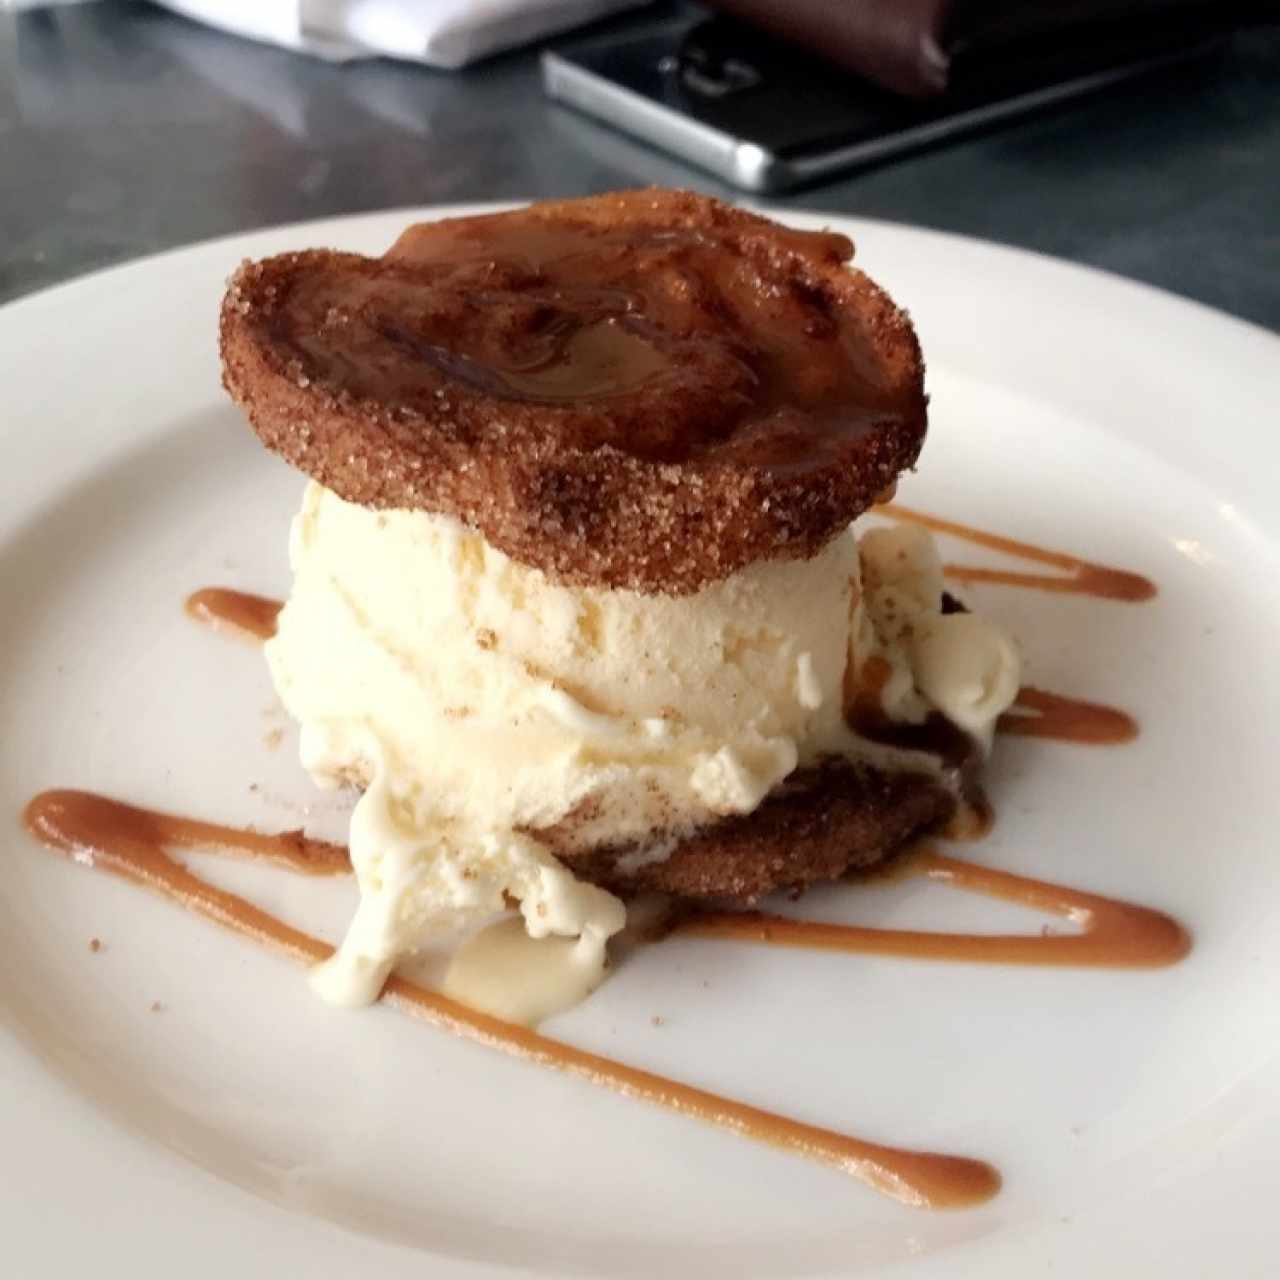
(921, 48)
(895, 43)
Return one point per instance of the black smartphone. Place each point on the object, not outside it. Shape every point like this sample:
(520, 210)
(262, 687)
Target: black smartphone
(765, 117)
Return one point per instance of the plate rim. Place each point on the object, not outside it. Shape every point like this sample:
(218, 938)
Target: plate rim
(260, 1230)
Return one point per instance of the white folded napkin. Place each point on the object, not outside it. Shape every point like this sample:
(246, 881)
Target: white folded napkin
(442, 33)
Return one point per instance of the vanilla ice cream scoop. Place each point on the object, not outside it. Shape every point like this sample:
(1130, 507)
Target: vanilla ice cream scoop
(478, 702)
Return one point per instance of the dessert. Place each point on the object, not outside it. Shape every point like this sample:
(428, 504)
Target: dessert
(554, 708)
(576, 599)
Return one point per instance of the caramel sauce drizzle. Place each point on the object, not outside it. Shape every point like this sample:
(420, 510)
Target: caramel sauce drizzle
(1113, 934)
(1042, 714)
(129, 842)
(253, 617)
(89, 812)
(1080, 577)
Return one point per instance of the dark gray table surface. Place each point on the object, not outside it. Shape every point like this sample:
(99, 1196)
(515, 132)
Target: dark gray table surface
(125, 130)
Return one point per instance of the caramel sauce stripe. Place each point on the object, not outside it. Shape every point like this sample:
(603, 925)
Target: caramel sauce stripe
(1040, 714)
(1078, 577)
(129, 842)
(253, 617)
(1112, 934)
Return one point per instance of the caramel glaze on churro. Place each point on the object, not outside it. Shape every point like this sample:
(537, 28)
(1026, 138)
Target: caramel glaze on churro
(649, 390)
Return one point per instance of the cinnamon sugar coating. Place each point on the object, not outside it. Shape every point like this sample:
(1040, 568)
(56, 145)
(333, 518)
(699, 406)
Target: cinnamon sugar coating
(823, 821)
(649, 390)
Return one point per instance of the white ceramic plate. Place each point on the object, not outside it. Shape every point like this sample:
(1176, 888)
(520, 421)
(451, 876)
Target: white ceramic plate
(245, 1126)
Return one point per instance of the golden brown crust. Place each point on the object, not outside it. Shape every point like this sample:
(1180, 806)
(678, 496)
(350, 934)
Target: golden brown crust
(825, 820)
(662, 486)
